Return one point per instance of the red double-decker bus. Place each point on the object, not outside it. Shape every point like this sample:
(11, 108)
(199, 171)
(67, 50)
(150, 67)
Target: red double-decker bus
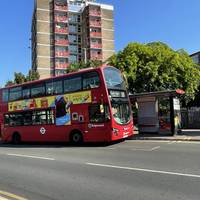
(91, 105)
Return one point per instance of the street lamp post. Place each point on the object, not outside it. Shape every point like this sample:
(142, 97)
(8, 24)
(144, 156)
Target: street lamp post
(85, 55)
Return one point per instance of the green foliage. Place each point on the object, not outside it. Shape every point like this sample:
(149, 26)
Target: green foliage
(32, 75)
(156, 67)
(9, 83)
(81, 65)
(20, 78)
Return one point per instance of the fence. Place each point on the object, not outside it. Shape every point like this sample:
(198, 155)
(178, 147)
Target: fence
(190, 117)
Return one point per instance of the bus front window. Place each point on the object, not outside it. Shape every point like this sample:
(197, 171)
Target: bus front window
(114, 79)
(121, 112)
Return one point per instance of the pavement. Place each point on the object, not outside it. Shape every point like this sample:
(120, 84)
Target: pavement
(184, 135)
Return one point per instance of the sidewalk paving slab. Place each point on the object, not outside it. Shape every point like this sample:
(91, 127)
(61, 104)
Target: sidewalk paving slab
(184, 135)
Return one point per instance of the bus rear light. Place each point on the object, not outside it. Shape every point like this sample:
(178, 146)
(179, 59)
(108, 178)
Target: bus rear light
(115, 131)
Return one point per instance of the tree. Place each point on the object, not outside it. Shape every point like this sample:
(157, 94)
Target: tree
(155, 67)
(9, 83)
(32, 75)
(81, 65)
(20, 78)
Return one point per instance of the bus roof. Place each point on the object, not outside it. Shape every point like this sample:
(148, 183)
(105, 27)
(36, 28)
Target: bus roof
(56, 77)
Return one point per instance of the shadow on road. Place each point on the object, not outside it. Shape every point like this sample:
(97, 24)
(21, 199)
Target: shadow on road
(57, 144)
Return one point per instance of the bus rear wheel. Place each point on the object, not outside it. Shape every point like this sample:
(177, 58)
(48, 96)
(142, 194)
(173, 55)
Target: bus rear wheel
(76, 137)
(16, 138)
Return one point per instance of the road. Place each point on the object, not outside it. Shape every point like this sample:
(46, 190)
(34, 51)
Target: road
(134, 170)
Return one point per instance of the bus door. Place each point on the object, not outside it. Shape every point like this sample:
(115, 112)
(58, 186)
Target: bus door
(98, 128)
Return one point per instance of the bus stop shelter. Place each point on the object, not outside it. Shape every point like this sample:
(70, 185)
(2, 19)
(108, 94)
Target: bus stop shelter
(157, 112)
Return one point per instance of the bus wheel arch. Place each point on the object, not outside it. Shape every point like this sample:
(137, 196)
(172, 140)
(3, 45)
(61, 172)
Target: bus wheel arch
(16, 138)
(76, 136)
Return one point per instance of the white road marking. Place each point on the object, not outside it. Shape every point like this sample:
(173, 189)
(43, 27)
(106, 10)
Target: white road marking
(147, 141)
(155, 148)
(139, 149)
(184, 142)
(29, 156)
(106, 148)
(144, 170)
(148, 150)
(189, 142)
(172, 142)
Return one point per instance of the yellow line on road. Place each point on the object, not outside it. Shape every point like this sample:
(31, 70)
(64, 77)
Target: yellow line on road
(10, 195)
(3, 198)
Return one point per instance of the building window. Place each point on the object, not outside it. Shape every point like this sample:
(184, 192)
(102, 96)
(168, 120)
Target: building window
(72, 58)
(73, 18)
(72, 28)
(72, 38)
(73, 48)
(61, 49)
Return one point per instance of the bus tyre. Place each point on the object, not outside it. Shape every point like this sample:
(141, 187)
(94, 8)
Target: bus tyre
(76, 137)
(16, 138)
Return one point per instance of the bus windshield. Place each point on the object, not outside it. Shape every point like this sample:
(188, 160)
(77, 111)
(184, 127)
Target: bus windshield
(114, 79)
(121, 112)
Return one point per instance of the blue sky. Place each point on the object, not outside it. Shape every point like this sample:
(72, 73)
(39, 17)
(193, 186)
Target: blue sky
(175, 22)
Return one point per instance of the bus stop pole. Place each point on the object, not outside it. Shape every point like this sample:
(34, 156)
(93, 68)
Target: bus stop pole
(172, 115)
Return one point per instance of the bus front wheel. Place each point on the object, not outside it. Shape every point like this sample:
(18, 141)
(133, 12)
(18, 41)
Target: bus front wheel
(16, 138)
(76, 137)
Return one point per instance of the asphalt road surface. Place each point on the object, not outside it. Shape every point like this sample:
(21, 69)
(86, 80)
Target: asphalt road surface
(134, 170)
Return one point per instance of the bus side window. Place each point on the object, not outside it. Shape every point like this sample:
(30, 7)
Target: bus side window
(38, 90)
(6, 120)
(91, 80)
(26, 92)
(72, 84)
(15, 93)
(54, 87)
(5, 95)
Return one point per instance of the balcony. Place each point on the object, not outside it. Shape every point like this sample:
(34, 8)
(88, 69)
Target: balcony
(95, 13)
(59, 7)
(61, 42)
(63, 19)
(95, 23)
(96, 56)
(61, 54)
(61, 65)
(96, 46)
(96, 34)
(62, 30)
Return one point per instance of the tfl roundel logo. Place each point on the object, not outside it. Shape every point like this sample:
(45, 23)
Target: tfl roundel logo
(42, 130)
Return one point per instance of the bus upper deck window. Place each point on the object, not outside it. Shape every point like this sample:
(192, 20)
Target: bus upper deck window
(5, 95)
(91, 80)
